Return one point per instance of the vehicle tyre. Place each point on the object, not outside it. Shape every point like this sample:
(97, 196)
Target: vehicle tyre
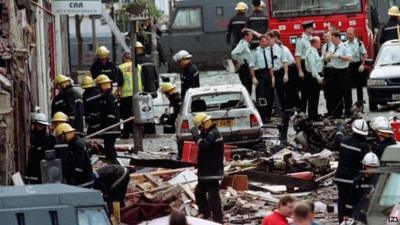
(373, 106)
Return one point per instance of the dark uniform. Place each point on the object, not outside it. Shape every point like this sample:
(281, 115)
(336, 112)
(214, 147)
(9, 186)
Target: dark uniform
(389, 30)
(175, 104)
(80, 168)
(150, 78)
(235, 27)
(112, 181)
(109, 115)
(210, 171)
(145, 39)
(352, 150)
(57, 104)
(190, 78)
(361, 194)
(257, 21)
(108, 69)
(381, 146)
(69, 101)
(40, 142)
(91, 105)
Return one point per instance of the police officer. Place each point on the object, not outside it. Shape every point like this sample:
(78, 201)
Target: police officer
(109, 116)
(263, 79)
(91, 104)
(389, 30)
(292, 95)
(41, 141)
(329, 88)
(150, 78)
(302, 45)
(339, 60)
(313, 79)
(190, 77)
(145, 37)
(210, 166)
(71, 103)
(384, 135)
(125, 106)
(236, 24)
(112, 181)
(103, 65)
(175, 103)
(351, 152)
(257, 20)
(242, 56)
(79, 171)
(363, 185)
(356, 67)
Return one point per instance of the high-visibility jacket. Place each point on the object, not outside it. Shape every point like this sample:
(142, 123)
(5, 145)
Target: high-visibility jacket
(127, 85)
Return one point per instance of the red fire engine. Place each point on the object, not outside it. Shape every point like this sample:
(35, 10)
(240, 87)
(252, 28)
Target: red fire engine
(288, 16)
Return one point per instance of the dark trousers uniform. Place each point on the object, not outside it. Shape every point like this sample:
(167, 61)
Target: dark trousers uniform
(109, 116)
(209, 204)
(357, 78)
(244, 75)
(311, 92)
(80, 168)
(264, 94)
(329, 89)
(303, 88)
(125, 109)
(291, 89)
(280, 88)
(342, 91)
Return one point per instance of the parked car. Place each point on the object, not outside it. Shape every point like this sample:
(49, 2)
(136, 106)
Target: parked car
(383, 84)
(231, 109)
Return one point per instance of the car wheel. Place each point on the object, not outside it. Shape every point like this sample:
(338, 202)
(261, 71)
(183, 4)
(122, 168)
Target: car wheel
(373, 106)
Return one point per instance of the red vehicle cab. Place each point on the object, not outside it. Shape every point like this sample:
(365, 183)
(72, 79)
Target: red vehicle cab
(288, 16)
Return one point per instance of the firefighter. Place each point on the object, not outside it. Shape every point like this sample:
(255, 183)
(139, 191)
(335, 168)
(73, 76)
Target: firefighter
(41, 141)
(329, 87)
(91, 104)
(389, 30)
(174, 102)
(363, 186)
(260, 66)
(302, 45)
(103, 65)
(356, 66)
(340, 59)
(236, 24)
(71, 102)
(313, 79)
(352, 150)
(242, 56)
(109, 116)
(125, 106)
(210, 166)
(384, 135)
(112, 181)
(190, 77)
(257, 20)
(79, 171)
(59, 118)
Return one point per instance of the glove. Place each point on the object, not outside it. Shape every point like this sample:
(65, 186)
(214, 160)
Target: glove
(285, 78)
(255, 81)
(194, 131)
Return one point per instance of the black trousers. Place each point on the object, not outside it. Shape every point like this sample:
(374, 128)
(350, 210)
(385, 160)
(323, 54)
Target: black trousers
(117, 193)
(303, 88)
(109, 146)
(125, 110)
(264, 94)
(280, 88)
(244, 76)
(311, 95)
(344, 196)
(329, 89)
(357, 79)
(208, 200)
(291, 89)
(342, 91)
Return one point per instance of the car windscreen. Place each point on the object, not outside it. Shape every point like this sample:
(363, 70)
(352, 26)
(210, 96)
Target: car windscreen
(217, 101)
(389, 55)
(391, 192)
(295, 8)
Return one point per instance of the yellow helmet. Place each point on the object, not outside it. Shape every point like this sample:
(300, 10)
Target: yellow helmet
(64, 128)
(87, 82)
(241, 6)
(102, 79)
(59, 117)
(139, 45)
(166, 87)
(200, 118)
(394, 11)
(60, 79)
(102, 52)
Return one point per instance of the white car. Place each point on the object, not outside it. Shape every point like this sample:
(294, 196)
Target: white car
(231, 108)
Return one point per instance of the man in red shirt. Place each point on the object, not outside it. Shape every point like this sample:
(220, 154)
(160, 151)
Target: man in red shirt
(278, 216)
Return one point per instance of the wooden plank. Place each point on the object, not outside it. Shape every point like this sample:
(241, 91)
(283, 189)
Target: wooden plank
(157, 173)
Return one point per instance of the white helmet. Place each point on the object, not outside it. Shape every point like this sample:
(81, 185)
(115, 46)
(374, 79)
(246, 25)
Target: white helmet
(383, 126)
(40, 118)
(375, 122)
(262, 4)
(360, 127)
(371, 159)
(182, 54)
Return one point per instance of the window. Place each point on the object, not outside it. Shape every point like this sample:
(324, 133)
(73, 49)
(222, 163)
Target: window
(218, 101)
(187, 18)
(389, 55)
(220, 11)
(92, 216)
(391, 192)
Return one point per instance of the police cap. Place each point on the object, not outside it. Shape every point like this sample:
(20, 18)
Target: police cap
(308, 24)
